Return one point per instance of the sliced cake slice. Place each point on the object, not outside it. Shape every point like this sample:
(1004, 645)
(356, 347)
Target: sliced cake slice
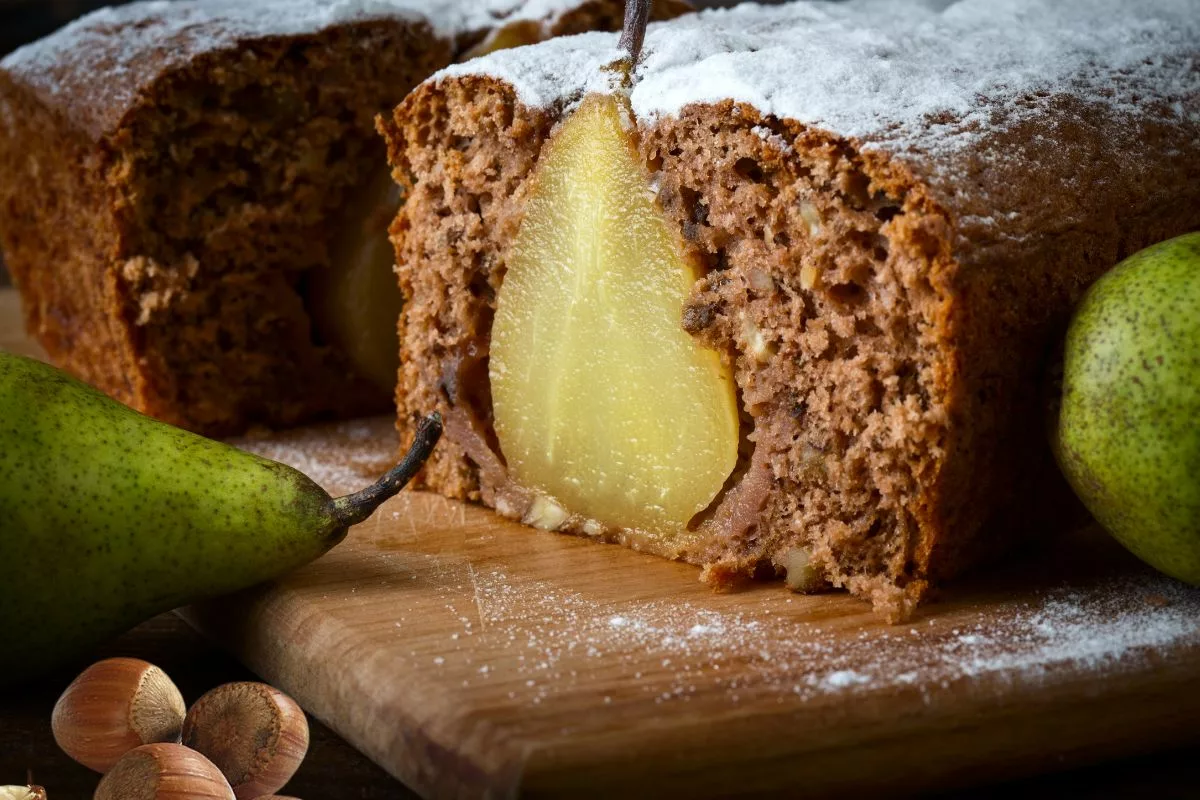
(892, 206)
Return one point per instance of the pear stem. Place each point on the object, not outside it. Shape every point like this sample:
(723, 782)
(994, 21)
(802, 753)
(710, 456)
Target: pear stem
(637, 16)
(354, 508)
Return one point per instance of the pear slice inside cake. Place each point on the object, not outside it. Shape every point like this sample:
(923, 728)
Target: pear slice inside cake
(601, 400)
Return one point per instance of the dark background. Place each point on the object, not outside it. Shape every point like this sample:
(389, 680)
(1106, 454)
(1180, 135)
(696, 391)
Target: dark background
(333, 769)
(25, 20)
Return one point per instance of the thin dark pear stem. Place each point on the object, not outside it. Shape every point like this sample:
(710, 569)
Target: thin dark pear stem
(354, 508)
(637, 17)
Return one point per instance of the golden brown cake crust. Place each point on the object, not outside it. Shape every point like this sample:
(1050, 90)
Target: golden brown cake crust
(889, 306)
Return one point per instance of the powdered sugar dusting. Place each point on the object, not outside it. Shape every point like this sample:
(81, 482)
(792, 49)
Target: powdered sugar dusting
(550, 637)
(342, 457)
(910, 75)
(558, 72)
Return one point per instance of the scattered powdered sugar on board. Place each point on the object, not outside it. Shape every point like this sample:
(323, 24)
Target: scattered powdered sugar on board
(551, 638)
(542, 638)
(341, 457)
(911, 75)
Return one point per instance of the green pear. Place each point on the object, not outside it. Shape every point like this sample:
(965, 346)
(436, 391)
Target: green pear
(108, 517)
(1128, 432)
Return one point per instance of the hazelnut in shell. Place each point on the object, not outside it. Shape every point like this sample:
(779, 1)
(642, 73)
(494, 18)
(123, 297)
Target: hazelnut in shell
(114, 706)
(254, 733)
(163, 771)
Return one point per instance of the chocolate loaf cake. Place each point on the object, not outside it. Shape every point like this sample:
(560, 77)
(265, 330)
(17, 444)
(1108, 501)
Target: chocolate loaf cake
(895, 205)
(181, 185)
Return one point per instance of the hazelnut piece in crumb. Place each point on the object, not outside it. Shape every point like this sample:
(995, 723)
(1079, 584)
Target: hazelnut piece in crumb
(802, 576)
(505, 508)
(760, 281)
(809, 275)
(811, 217)
(114, 706)
(545, 514)
(812, 462)
(757, 344)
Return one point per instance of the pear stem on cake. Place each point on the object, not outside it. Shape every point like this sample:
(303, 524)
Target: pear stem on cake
(633, 33)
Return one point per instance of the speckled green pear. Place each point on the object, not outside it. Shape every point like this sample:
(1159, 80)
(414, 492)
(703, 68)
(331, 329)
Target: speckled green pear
(1128, 434)
(108, 517)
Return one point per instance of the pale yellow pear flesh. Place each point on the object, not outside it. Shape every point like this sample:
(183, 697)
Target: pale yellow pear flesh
(601, 400)
(517, 34)
(356, 302)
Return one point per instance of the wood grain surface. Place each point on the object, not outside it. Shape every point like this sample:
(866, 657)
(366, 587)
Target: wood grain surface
(472, 657)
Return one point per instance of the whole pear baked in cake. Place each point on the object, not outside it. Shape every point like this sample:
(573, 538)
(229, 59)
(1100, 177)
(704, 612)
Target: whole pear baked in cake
(191, 200)
(863, 224)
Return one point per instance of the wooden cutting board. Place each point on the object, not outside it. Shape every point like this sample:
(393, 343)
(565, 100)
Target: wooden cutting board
(473, 657)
